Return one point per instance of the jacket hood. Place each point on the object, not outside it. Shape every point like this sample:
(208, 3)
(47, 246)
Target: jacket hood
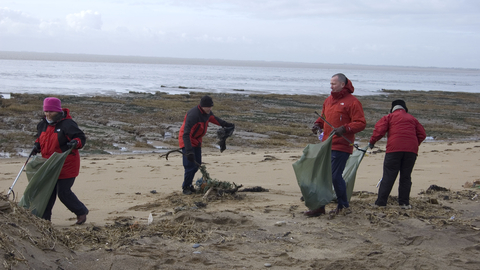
(349, 86)
(66, 115)
(347, 89)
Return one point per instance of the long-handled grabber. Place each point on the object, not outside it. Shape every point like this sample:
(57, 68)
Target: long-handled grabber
(179, 151)
(350, 142)
(20, 172)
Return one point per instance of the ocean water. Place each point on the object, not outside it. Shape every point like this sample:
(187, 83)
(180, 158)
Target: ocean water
(179, 77)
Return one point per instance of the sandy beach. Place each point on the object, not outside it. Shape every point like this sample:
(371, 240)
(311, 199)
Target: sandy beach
(255, 230)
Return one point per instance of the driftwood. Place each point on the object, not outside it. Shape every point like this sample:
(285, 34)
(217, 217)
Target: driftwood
(221, 192)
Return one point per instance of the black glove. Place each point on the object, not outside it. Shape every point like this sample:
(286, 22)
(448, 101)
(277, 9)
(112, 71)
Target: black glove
(315, 128)
(36, 149)
(191, 157)
(72, 144)
(371, 145)
(339, 131)
(230, 125)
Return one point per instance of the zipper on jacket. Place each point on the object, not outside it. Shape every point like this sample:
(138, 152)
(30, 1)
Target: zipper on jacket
(195, 131)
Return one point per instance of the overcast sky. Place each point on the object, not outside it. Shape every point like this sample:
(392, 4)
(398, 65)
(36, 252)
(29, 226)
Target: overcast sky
(433, 33)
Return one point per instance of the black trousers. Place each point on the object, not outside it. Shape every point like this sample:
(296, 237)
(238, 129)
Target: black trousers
(67, 197)
(394, 163)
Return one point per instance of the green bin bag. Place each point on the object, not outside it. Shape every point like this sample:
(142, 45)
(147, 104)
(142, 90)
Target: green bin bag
(42, 175)
(350, 172)
(314, 173)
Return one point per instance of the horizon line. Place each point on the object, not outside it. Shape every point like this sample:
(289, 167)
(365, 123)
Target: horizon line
(137, 59)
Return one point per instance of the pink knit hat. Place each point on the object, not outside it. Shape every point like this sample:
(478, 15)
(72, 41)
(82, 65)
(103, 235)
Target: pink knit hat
(52, 104)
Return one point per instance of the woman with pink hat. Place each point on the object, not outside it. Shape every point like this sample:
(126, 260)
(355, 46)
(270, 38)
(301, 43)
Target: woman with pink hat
(57, 132)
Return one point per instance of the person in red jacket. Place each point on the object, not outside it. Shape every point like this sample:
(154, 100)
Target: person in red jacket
(405, 134)
(57, 132)
(343, 111)
(193, 129)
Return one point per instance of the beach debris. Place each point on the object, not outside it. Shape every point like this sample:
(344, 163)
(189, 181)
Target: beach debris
(150, 219)
(269, 157)
(5, 206)
(280, 223)
(135, 226)
(268, 265)
(200, 204)
(206, 184)
(474, 197)
(197, 252)
(472, 184)
(433, 201)
(196, 245)
(153, 191)
(254, 189)
(434, 188)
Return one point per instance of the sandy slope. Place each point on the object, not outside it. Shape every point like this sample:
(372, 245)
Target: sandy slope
(269, 227)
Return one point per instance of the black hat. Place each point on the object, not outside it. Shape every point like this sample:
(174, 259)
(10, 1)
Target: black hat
(399, 102)
(206, 101)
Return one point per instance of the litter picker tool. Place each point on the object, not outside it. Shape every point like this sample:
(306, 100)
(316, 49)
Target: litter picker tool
(20, 172)
(350, 142)
(179, 151)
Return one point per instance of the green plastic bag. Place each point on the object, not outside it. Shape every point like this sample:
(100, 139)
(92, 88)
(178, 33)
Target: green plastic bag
(314, 173)
(350, 172)
(42, 175)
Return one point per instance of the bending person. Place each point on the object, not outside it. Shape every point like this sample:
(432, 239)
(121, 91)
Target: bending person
(405, 134)
(193, 129)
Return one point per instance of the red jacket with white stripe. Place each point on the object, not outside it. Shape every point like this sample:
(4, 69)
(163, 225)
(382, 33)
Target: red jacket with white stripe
(54, 138)
(405, 133)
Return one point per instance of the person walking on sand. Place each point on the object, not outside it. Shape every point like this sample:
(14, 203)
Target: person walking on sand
(343, 111)
(405, 134)
(57, 132)
(193, 129)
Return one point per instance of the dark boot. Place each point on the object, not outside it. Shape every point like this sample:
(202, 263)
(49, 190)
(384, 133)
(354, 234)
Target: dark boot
(316, 212)
(81, 219)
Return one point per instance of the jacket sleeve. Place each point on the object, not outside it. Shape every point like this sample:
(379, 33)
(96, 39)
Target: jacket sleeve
(421, 134)
(319, 121)
(358, 122)
(73, 132)
(189, 122)
(218, 121)
(380, 129)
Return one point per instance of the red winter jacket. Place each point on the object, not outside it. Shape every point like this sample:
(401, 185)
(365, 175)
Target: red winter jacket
(342, 109)
(54, 138)
(405, 133)
(194, 127)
